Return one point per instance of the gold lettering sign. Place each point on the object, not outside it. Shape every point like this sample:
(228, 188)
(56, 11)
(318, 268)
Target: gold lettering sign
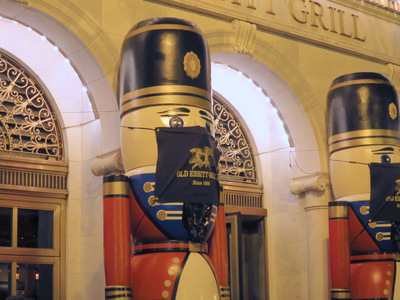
(318, 14)
(329, 18)
(325, 23)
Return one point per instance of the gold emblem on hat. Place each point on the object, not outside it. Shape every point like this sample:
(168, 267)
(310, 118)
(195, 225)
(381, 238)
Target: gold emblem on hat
(191, 65)
(392, 111)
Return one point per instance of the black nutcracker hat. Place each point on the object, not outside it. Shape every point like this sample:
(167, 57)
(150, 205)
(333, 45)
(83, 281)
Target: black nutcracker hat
(164, 61)
(362, 109)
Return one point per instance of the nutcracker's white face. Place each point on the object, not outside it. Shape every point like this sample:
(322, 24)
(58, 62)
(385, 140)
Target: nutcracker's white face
(349, 171)
(138, 138)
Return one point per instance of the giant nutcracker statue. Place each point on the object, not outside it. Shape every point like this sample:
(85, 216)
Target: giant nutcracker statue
(167, 202)
(364, 144)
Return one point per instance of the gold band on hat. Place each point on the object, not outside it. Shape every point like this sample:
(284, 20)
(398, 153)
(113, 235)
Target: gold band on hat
(165, 89)
(363, 138)
(184, 100)
(358, 81)
(162, 27)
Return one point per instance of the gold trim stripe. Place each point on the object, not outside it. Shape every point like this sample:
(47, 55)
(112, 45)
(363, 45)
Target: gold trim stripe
(225, 295)
(197, 247)
(120, 296)
(118, 292)
(358, 81)
(338, 212)
(364, 133)
(336, 296)
(166, 100)
(161, 89)
(225, 292)
(116, 188)
(363, 142)
(162, 27)
(340, 295)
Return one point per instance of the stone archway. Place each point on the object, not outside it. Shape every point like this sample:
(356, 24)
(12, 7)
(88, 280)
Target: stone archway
(74, 76)
(303, 221)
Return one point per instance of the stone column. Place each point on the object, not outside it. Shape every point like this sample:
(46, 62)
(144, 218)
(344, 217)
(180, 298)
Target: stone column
(108, 163)
(316, 192)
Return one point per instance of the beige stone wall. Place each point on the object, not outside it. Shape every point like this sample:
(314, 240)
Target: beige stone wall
(307, 67)
(305, 58)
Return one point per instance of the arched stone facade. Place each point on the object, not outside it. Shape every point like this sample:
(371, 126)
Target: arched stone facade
(81, 93)
(296, 74)
(86, 51)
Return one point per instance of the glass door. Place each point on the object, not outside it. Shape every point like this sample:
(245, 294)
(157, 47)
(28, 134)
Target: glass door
(247, 256)
(29, 250)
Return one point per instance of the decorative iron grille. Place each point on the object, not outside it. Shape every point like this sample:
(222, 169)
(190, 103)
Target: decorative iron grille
(236, 162)
(28, 124)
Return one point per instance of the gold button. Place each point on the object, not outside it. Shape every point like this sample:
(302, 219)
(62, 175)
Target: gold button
(165, 294)
(167, 283)
(148, 187)
(379, 236)
(152, 200)
(172, 271)
(161, 215)
(372, 224)
(176, 260)
(364, 210)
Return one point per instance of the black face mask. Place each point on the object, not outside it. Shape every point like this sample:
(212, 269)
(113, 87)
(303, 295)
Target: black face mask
(186, 166)
(385, 192)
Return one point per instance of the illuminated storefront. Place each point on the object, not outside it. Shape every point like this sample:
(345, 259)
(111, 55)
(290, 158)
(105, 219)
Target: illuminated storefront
(272, 64)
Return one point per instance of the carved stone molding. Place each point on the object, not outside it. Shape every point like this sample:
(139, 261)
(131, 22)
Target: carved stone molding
(109, 163)
(393, 74)
(245, 34)
(317, 182)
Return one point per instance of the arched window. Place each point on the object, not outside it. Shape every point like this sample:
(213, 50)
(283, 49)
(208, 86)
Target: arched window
(33, 188)
(236, 163)
(237, 170)
(245, 214)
